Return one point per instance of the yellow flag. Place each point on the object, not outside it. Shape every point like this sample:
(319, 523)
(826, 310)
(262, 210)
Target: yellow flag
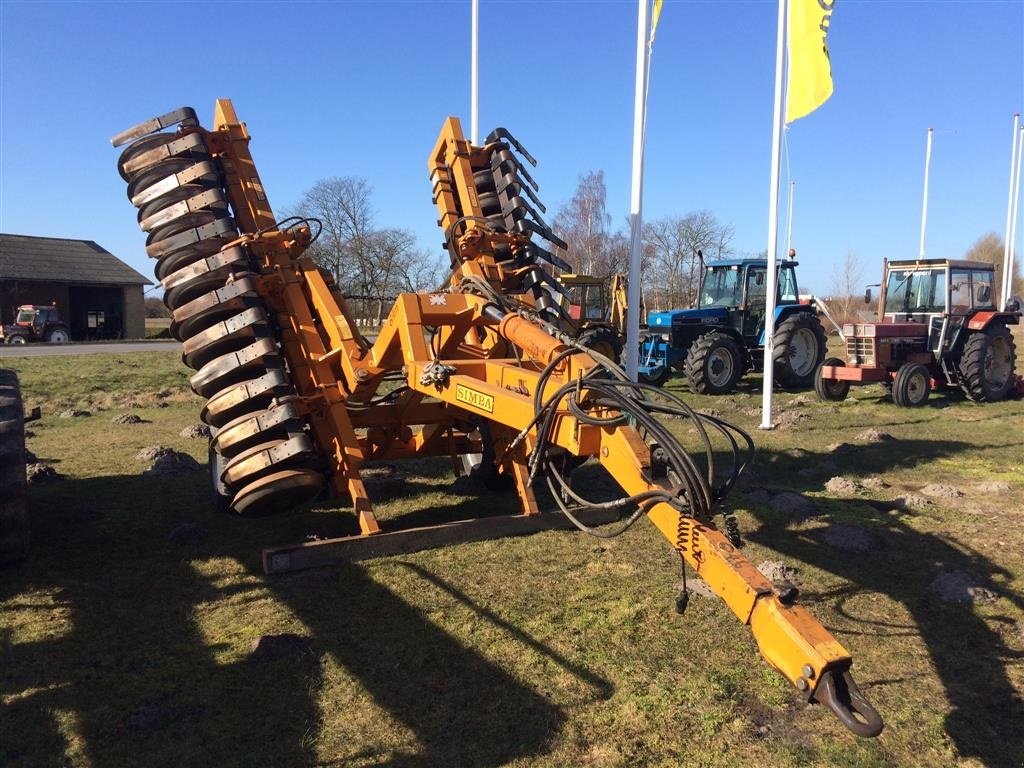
(810, 72)
(657, 14)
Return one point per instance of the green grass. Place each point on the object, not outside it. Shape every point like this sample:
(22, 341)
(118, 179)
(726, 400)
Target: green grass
(121, 647)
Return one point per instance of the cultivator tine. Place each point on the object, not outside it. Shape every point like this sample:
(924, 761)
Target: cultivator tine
(511, 181)
(184, 115)
(500, 133)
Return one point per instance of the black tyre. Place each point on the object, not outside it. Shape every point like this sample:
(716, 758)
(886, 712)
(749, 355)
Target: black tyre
(912, 385)
(17, 338)
(655, 381)
(830, 389)
(714, 364)
(603, 340)
(58, 335)
(800, 345)
(14, 529)
(216, 464)
(987, 363)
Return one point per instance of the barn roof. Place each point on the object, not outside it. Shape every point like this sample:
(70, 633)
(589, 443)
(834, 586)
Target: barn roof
(55, 259)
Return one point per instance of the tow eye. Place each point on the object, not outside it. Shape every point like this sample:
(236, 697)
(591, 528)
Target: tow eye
(839, 693)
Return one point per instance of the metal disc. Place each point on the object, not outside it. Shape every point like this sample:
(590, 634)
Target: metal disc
(246, 431)
(200, 313)
(184, 115)
(278, 492)
(236, 367)
(170, 175)
(208, 238)
(226, 336)
(181, 203)
(246, 398)
(266, 458)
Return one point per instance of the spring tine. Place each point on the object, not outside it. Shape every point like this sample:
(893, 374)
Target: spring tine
(505, 157)
(513, 182)
(502, 133)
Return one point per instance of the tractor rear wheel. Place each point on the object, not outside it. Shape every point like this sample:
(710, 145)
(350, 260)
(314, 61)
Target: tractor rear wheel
(603, 340)
(714, 364)
(13, 485)
(830, 389)
(58, 335)
(800, 345)
(987, 362)
(912, 385)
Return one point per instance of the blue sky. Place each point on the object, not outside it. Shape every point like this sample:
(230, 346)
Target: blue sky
(361, 89)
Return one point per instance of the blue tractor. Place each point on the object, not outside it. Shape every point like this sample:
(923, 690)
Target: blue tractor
(722, 338)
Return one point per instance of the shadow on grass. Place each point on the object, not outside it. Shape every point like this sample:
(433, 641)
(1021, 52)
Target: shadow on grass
(132, 675)
(969, 657)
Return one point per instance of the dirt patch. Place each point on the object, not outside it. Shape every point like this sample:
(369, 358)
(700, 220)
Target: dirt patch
(874, 436)
(777, 571)
(196, 431)
(800, 400)
(73, 413)
(695, 585)
(173, 464)
(844, 449)
(992, 486)
(875, 483)
(40, 473)
(961, 587)
(794, 503)
(849, 538)
(843, 486)
(712, 412)
(940, 491)
(128, 418)
(153, 452)
(911, 501)
(273, 647)
(825, 467)
(787, 419)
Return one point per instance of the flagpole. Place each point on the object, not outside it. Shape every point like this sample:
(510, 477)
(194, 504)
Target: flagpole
(636, 197)
(924, 206)
(1008, 273)
(474, 76)
(773, 223)
(1014, 149)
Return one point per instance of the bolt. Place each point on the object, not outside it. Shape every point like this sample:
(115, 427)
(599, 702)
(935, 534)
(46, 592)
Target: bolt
(808, 671)
(801, 683)
(362, 374)
(604, 451)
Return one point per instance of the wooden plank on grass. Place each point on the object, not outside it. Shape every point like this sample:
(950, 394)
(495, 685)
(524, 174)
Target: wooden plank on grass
(314, 554)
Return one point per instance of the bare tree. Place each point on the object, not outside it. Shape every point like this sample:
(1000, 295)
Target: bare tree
(846, 289)
(989, 248)
(342, 204)
(672, 244)
(583, 224)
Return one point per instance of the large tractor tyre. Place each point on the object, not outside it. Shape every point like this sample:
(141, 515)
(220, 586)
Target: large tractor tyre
(655, 381)
(604, 341)
(17, 338)
(14, 533)
(216, 463)
(987, 363)
(800, 345)
(714, 364)
(912, 385)
(58, 335)
(835, 390)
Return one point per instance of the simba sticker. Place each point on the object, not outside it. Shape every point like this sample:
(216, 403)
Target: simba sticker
(476, 399)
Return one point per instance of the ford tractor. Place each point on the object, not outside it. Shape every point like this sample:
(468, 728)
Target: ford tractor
(940, 328)
(723, 337)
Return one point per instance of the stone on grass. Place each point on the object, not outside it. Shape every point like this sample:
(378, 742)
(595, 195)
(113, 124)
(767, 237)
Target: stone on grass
(874, 436)
(941, 491)
(39, 473)
(961, 587)
(186, 533)
(173, 464)
(787, 501)
(153, 452)
(196, 431)
(273, 647)
(127, 418)
(842, 485)
(849, 538)
(73, 413)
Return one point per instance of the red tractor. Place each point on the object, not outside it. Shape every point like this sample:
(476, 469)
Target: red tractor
(940, 327)
(32, 323)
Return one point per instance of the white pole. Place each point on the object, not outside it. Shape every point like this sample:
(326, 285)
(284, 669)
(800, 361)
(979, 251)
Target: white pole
(789, 220)
(924, 206)
(636, 197)
(1013, 224)
(1007, 277)
(474, 78)
(773, 224)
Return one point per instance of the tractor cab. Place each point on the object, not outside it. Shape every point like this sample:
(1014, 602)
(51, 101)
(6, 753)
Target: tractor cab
(737, 291)
(588, 296)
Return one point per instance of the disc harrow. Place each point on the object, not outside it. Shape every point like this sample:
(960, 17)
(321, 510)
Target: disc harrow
(262, 457)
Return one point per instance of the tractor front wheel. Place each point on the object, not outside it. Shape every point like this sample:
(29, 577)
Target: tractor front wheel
(911, 386)
(830, 389)
(13, 484)
(17, 338)
(603, 340)
(986, 366)
(714, 364)
(799, 349)
(655, 381)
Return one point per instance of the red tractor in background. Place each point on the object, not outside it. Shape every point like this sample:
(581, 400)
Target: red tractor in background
(34, 323)
(939, 327)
